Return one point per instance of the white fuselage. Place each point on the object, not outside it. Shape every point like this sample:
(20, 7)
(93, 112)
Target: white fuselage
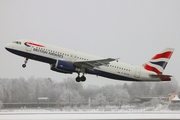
(49, 53)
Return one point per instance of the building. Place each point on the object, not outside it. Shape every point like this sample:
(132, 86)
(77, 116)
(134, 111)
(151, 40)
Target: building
(173, 97)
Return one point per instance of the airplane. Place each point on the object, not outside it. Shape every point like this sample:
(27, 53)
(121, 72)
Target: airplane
(69, 61)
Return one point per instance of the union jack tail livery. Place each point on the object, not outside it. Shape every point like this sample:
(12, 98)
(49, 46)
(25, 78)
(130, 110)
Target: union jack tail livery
(158, 63)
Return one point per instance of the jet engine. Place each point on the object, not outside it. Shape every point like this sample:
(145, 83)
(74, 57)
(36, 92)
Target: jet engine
(63, 67)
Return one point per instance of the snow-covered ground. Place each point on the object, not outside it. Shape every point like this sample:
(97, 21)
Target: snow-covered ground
(51, 114)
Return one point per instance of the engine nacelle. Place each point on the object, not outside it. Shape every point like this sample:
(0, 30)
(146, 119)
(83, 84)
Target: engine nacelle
(58, 70)
(63, 66)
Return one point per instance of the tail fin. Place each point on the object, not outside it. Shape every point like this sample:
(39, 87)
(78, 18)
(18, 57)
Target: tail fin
(158, 63)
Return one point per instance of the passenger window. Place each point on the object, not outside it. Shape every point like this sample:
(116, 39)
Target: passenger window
(15, 42)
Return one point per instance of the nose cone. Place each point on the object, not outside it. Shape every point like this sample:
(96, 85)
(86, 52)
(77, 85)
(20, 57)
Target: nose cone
(8, 46)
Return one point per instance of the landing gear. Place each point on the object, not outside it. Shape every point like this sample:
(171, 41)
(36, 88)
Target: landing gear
(24, 65)
(82, 78)
(78, 79)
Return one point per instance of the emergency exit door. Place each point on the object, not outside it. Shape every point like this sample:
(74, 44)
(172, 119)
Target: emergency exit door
(137, 72)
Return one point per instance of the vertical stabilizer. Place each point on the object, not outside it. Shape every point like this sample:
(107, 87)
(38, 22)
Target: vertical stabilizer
(158, 63)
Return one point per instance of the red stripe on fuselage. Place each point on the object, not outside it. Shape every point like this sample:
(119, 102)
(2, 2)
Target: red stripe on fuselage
(150, 68)
(163, 55)
(31, 43)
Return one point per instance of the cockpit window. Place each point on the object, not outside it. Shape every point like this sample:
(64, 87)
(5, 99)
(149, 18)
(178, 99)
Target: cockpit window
(17, 42)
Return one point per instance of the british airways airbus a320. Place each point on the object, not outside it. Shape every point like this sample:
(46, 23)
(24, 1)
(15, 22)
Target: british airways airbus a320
(68, 61)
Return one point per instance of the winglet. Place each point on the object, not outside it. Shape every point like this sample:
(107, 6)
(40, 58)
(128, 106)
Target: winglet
(117, 59)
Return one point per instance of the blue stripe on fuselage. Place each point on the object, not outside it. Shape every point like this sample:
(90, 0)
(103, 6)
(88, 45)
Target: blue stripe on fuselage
(110, 75)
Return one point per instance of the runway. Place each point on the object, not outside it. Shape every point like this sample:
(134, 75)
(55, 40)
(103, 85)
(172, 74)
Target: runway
(54, 115)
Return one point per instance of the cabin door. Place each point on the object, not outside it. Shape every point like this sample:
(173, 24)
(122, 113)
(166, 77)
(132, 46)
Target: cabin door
(29, 48)
(137, 73)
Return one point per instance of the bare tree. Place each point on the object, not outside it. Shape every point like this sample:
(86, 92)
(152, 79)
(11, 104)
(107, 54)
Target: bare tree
(1, 104)
(121, 98)
(155, 102)
(2, 97)
(110, 92)
(99, 100)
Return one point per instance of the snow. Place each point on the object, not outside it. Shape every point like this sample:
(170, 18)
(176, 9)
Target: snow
(51, 114)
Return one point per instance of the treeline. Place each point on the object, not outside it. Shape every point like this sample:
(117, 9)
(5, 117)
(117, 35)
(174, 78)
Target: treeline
(22, 91)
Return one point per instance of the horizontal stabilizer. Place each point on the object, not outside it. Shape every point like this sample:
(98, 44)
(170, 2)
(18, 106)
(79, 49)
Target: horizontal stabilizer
(160, 76)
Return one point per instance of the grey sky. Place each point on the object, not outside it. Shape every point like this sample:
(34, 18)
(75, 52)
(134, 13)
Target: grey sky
(131, 30)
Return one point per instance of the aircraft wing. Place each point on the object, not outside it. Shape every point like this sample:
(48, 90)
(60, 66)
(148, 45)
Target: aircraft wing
(94, 63)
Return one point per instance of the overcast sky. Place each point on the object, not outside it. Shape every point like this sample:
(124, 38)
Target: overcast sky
(132, 30)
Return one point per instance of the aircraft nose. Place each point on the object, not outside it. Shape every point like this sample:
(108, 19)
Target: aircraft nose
(7, 46)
